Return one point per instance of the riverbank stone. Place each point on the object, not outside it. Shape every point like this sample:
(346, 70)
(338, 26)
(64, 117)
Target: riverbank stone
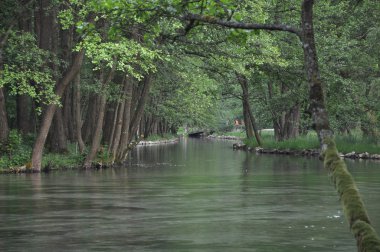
(305, 152)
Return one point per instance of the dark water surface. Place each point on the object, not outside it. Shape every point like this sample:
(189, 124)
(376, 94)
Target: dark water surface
(197, 195)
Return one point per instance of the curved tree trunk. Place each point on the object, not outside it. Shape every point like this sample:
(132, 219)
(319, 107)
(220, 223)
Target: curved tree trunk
(50, 110)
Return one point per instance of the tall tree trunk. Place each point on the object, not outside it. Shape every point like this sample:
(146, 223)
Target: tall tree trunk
(78, 116)
(249, 120)
(23, 101)
(97, 137)
(354, 209)
(254, 126)
(57, 136)
(4, 127)
(97, 134)
(109, 119)
(147, 82)
(68, 113)
(123, 145)
(292, 122)
(61, 85)
(316, 96)
(91, 115)
(119, 122)
(116, 117)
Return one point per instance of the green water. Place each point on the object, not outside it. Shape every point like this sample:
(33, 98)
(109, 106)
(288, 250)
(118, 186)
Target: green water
(197, 195)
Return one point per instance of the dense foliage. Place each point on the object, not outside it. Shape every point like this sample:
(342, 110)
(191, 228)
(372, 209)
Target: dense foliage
(146, 60)
(97, 76)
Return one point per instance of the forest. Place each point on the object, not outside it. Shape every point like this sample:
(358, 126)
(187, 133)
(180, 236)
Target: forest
(98, 76)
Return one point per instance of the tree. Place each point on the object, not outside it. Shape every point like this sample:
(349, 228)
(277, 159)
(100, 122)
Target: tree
(359, 221)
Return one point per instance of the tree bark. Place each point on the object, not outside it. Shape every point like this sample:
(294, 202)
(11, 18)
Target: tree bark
(316, 96)
(91, 115)
(68, 113)
(354, 209)
(99, 123)
(78, 116)
(113, 126)
(50, 110)
(110, 117)
(4, 127)
(57, 136)
(123, 145)
(119, 123)
(292, 122)
(97, 134)
(249, 120)
(140, 106)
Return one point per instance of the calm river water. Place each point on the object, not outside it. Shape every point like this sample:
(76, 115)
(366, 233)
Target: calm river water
(196, 195)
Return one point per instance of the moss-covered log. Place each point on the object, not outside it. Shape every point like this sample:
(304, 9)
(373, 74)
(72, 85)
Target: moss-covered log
(353, 206)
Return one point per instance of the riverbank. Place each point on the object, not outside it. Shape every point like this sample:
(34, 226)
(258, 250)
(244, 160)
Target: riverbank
(224, 137)
(350, 146)
(157, 142)
(70, 160)
(305, 152)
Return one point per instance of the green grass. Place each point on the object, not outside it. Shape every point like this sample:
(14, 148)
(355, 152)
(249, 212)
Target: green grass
(240, 134)
(22, 153)
(345, 143)
(67, 160)
(300, 143)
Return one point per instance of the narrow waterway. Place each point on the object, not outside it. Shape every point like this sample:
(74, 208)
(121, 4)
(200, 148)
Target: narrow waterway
(196, 195)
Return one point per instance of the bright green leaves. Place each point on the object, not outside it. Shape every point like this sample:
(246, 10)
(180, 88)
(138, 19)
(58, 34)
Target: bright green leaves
(38, 85)
(26, 69)
(127, 55)
(109, 28)
(66, 18)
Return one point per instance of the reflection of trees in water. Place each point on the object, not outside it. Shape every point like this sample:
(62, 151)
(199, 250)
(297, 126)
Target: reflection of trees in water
(278, 179)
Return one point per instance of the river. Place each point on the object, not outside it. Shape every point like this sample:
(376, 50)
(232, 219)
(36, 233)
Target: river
(196, 195)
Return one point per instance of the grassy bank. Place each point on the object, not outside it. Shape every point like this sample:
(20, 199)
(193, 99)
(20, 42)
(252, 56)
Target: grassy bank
(20, 157)
(345, 143)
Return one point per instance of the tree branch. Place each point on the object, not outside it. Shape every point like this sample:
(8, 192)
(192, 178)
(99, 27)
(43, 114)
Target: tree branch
(241, 25)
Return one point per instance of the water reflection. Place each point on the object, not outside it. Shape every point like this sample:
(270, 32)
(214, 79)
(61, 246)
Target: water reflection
(190, 196)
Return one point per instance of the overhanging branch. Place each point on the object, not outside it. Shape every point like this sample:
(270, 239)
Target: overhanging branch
(241, 25)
